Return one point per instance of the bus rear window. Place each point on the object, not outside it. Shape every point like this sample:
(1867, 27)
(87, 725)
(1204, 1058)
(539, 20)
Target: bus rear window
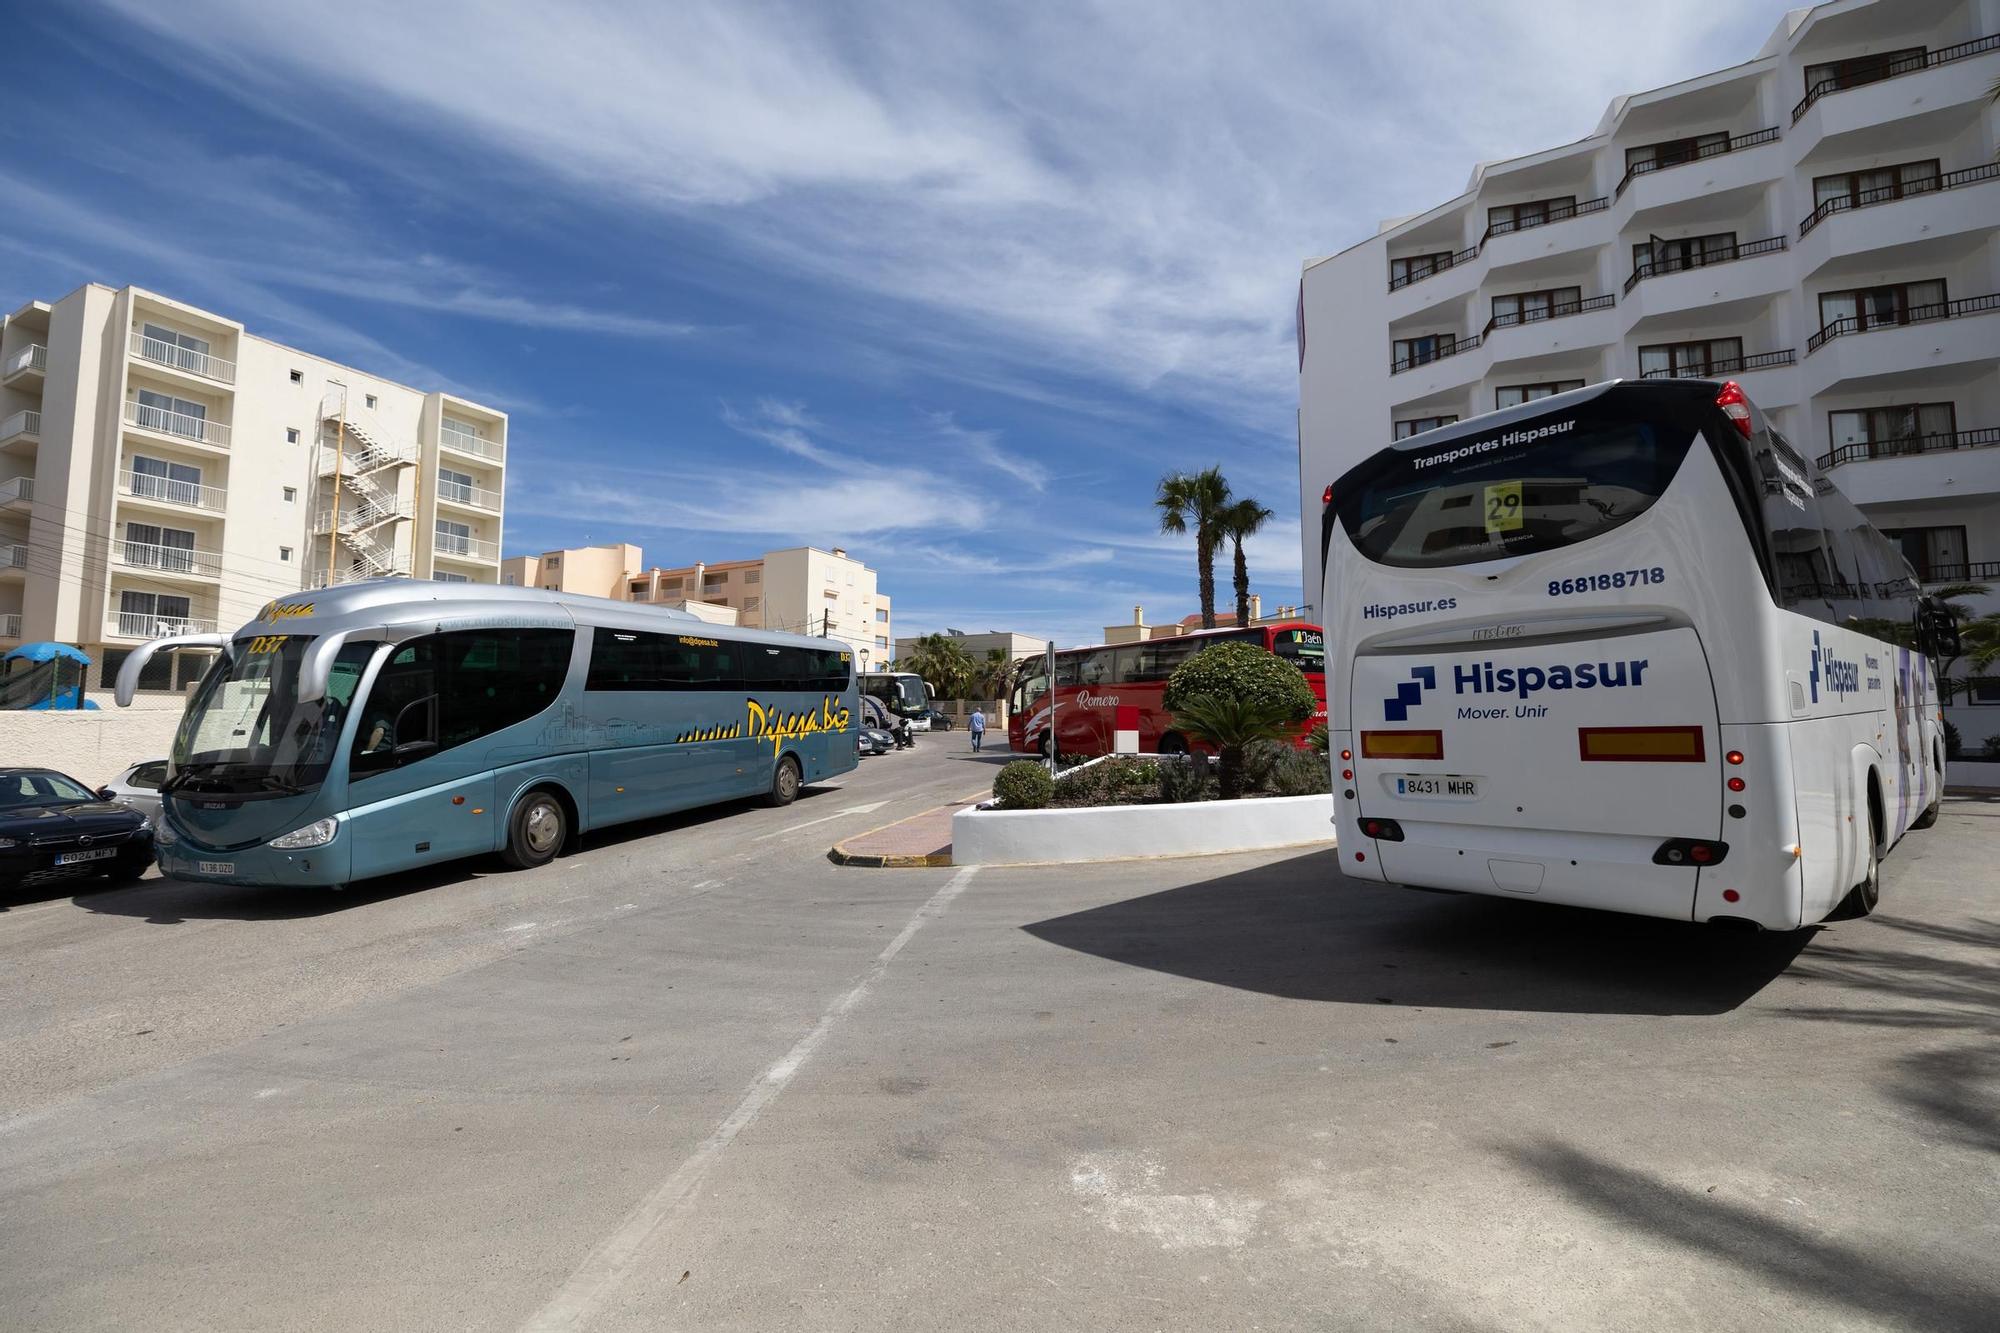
(1534, 486)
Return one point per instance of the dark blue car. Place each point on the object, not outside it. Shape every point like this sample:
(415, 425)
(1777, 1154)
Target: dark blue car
(51, 822)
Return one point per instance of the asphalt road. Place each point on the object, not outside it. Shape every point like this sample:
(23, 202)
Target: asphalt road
(698, 1077)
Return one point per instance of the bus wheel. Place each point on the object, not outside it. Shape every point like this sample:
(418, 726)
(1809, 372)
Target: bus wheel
(1171, 743)
(784, 783)
(1929, 816)
(1862, 898)
(536, 831)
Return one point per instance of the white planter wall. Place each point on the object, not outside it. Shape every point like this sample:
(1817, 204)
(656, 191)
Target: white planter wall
(1121, 832)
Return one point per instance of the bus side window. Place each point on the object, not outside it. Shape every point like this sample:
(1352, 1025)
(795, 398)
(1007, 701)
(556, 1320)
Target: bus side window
(1066, 669)
(443, 691)
(1098, 668)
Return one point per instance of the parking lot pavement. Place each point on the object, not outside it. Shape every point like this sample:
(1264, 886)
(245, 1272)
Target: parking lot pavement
(744, 1088)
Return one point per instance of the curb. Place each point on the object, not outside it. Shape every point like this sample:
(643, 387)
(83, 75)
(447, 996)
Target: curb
(840, 856)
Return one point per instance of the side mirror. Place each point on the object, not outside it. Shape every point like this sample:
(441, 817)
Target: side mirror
(106, 794)
(1944, 634)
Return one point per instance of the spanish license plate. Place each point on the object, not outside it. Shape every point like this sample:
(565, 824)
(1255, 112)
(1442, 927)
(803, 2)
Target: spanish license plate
(1437, 786)
(94, 854)
(215, 867)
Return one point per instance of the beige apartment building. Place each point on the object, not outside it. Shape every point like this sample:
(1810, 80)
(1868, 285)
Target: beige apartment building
(1138, 631)
(976, 646)
(801, 590)
(164, 471)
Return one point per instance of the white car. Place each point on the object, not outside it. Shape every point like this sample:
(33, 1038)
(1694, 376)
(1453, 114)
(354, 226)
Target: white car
(139, 787)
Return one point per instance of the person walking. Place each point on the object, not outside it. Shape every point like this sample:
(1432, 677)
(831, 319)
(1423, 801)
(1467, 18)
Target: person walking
(977, 726)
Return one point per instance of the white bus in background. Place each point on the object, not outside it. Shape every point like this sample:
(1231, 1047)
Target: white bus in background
(1625, 648)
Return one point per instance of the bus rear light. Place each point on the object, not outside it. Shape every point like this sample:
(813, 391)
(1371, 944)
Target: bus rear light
(1735, 406)
(1734, 756)
(1641, 745)
(1346, 755)
(1347, 775)
(1383, 830)
(1736, 784)
(1402, 745)
(1730, 895)
(1690, 852)
(1326, 496)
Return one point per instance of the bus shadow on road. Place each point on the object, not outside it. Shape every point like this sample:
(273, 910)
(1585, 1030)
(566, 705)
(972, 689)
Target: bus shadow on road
(1296, 929)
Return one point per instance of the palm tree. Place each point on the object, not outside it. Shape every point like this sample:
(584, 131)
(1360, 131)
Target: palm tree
(989, 676)
(1232, 725)
(943, 663)
(1195, 500)
(1239, 522)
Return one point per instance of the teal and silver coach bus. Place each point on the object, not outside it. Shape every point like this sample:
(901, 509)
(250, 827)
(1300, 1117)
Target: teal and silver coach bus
(373, 727)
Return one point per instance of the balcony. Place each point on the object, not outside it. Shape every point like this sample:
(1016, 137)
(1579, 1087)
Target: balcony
(177, 425)
(1560, 214)
(149, 489)
(168, 560)
(132, 625)
(465, 442)
(1985, 438)
(10, 625)
(185, 359)
(1553, 312)
(1890, 193)
(448, 546)
(13, 558)
(1735, 143)
(468, 496)
(1919, 314)
(1892, 68)
(17, 490)
(1733, 365)
(1979, 571)
(30, 364)
(1412, 362)
(23, 428)
(1687, 263)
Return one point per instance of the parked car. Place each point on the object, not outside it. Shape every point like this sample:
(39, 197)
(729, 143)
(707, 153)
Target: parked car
(50, 821)
(938, 721)
(920, 722)
(139, 787)
(873, 740)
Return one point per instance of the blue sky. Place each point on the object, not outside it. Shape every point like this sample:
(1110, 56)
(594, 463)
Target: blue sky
(951, 286)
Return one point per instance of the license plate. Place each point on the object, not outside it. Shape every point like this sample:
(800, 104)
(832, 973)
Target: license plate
(215, 867)
(1437, 786)
(94, 854)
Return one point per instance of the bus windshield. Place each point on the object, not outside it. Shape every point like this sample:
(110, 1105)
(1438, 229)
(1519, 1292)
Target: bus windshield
(246, 731)
(902, 691)
(1529, 486)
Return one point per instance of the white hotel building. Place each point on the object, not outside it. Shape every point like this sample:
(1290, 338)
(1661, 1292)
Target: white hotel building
(164, 471)
(1820, 223)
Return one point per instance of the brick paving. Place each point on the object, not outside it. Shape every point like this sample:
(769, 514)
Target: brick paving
(921, 840)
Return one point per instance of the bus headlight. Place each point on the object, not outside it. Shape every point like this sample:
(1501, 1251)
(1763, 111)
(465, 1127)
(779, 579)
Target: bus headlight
(316, 834)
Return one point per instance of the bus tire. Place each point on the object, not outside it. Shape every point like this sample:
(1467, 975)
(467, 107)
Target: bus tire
(1862, 899)
(1929, 816)
(536, 830)
(1173, 743)
(785, 782)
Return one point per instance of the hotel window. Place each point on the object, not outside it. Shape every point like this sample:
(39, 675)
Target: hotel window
(1418, 425)
(174, 416)
(882, 617)
(149, 613)
(749, 603)
(881, 642)
(452, 578)
(1687, 252)
(753, 576)
(1893, 303)
(1413, 267)
(154, 547)
(284, 553)
(1937, 554)
(1856, 189)
(159, 343)
(1857, 70)
(456, 538)
(1429, 347)
(157, 479)
(1690, 360)
(291, 435)
(1519, 217)
(1888, 431)
(298, 377)
(455, 485)
(291, 494)
(1673, 152)
(371, 400)
(1528, 307)
(1513, 395)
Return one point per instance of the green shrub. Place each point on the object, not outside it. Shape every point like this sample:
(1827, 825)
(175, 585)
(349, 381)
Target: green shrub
(1301, 773)
(1319, 740)
(1954, 748)
(1186, 779)
(1993, 747)
(1260, 759)
(1024, 785)
(1242, 671)
(1084, 786)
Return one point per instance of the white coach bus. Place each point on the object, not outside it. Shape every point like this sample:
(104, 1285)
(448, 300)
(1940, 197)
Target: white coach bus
(1625, 648)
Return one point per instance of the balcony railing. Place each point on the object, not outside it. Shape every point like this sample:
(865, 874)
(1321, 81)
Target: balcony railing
(464, 548)
(28, 422)
(1888, 193)
(33, 357)
(1728, 254)
(1411, 362)
(17, 488)
(457, 492)
(169, 559)
(1732, 144)
(164, 353)
(146, 486)
(467, 443)
(1891, 67)
(1561, 213)
(201, 429)
(10, 625)
(1916, 314)
(1728, 365)
(14, 556)
(1905, 446)
(132, 625)
(1979, 571)
(1438, 265)
(1567, 308)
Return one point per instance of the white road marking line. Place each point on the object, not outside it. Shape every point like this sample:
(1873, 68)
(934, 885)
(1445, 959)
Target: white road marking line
(605, 1269)
(850, 810)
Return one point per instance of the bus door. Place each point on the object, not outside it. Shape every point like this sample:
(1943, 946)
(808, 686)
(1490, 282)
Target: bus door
(410, 799)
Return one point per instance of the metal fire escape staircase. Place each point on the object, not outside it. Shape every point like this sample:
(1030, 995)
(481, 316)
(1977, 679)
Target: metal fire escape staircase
(363, 501)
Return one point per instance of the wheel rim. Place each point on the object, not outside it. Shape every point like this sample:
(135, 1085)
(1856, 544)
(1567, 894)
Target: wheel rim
(788, 780)
(542, 827)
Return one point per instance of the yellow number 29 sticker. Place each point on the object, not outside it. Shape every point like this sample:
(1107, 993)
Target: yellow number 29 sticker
(1503, 506)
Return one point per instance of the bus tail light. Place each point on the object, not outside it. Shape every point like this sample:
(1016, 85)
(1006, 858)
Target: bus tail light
(1735, 406)
(1641, 745)
(1690, 852)
(1402, 745)
(1382, 830)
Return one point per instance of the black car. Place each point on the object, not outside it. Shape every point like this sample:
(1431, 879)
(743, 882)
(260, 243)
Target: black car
(49, 821)
(939, 721)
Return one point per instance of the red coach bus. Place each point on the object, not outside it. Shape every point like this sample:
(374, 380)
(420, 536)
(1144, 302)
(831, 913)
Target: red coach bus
(1092, 684)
